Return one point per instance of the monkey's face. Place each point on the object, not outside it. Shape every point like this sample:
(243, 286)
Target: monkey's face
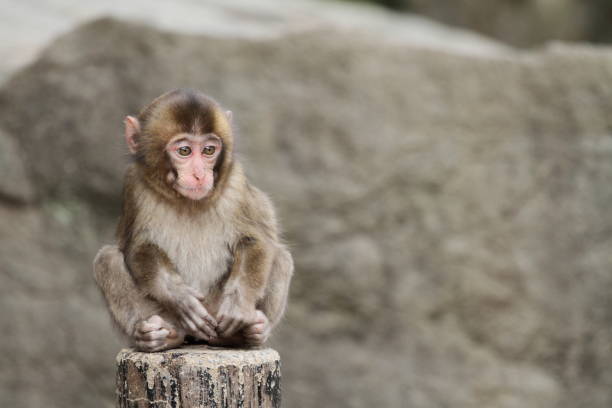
(182, 143)
(193, 159)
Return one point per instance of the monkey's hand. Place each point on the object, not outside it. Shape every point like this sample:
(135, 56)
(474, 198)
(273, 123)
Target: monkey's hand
(155, 334)
(193, 316)
(234, 315)
(254, 334)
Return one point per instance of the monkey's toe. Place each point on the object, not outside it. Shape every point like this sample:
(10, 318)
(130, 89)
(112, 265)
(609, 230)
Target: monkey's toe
(157, 340)
(256, 336)
(155, 334)
(258, 333)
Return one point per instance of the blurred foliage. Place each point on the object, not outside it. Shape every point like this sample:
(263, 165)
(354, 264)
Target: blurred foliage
(522, 23)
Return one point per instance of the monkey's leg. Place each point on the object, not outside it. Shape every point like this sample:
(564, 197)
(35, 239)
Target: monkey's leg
(271, 308)
(142, 320)
(275, 299)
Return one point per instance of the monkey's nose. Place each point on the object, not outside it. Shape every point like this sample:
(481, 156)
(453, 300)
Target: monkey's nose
(198, 175)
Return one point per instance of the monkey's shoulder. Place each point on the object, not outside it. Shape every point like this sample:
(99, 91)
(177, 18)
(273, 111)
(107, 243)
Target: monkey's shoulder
(256, 213)
(246, 206)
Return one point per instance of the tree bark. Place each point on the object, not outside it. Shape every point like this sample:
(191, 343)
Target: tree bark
(199, 376)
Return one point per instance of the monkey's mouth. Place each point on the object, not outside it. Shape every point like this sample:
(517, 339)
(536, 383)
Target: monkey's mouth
(192, 193)
(194, 189)
(179, 186)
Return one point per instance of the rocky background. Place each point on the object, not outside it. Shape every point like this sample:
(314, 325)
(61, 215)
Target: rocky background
(447, 200)
(523, 23)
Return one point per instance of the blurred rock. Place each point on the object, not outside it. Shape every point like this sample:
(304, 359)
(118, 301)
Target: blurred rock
(449, 214)
(522, 23)
(15, 183)
(28, 26)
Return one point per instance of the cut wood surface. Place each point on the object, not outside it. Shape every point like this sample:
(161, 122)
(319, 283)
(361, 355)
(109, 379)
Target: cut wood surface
(199, 376)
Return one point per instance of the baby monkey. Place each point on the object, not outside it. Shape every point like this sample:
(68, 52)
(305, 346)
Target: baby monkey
(198, 255)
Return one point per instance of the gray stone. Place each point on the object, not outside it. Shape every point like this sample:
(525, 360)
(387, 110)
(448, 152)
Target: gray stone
(15, 183)
(28, 26)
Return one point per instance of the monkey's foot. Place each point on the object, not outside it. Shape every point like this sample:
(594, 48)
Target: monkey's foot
(155, 334)
(257, 333)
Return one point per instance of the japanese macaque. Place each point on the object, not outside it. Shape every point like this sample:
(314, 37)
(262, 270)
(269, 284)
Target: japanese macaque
(198, 256)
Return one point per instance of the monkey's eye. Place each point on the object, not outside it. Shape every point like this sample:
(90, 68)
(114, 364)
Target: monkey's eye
(208, 150)
(184, 151)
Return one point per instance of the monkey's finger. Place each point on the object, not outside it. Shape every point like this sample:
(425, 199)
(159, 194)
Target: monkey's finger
(211, 320)
(193, 328)
(203, 326)
(233, 327)
(187, 323)
(195, 293)
(199, 335)
(204, 322)
(210, 331)
(224, 322)
(196, 319)
(201, 311)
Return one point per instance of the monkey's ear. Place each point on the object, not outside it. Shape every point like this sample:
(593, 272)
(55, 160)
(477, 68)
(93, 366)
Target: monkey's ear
(132, 130)
(229, 115)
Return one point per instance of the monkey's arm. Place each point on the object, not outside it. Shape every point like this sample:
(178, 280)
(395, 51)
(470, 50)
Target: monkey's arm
(275, 298)
(157, 277)
(137, 317)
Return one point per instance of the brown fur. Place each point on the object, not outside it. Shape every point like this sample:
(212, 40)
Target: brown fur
(223, 250)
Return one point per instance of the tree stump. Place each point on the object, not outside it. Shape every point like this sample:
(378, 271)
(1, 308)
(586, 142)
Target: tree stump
(199, 376)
